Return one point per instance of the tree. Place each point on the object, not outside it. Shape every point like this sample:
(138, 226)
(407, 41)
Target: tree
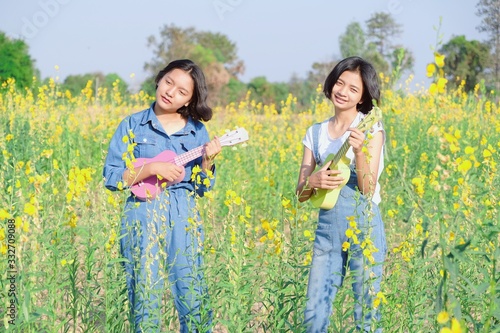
(381, 29)
(465, 60)
(352, 42)
(213, 52)
(375, 46)
(76, 83)
(267, 92)
(490, 11)
(16, 62)
(401, 60)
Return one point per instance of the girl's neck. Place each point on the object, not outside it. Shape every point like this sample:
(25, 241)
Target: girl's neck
(339, 124)
(345, 117)
(168, 116)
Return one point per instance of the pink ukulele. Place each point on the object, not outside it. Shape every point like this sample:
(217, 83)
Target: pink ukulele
(150, 187)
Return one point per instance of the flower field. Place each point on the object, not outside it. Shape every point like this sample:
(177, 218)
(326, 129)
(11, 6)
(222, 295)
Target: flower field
(59, 248)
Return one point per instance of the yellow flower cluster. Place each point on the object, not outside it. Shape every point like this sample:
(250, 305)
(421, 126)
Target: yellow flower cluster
(379, 299)
(271, 234)
(436, 70)
(411, 242)
(78, 180)
(449, 326)
(367, 245)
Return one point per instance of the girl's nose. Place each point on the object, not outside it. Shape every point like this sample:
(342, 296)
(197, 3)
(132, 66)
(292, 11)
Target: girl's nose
(170, 91)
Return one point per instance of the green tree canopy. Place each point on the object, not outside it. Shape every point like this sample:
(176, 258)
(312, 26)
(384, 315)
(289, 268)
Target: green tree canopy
(75, 83)
(352, 42)
(381, 30)
(377, 45)
(267, 92)
(465, 60)
(213, 52)
(16, 62)
(489, 10)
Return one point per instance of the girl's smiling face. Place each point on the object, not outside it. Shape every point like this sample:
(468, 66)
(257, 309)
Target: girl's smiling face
(347, 92)
(174, 91)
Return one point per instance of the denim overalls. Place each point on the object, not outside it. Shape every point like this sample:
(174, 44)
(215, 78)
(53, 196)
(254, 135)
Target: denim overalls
(161, 238)
(329, 261)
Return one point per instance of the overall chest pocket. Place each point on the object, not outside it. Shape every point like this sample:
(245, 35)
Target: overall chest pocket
(146, 146)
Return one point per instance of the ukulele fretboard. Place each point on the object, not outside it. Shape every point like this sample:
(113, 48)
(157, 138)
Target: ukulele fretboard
(187, 157)
(362, 126)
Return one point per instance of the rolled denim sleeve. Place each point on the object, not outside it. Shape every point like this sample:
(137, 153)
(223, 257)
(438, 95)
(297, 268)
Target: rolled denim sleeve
(114, 165)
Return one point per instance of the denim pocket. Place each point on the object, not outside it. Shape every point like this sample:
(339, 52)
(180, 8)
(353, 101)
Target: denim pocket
(323, 242)
(146, 146)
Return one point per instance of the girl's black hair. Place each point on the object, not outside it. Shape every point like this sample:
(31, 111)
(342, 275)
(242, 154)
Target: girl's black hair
(371, 89)
(197, 108)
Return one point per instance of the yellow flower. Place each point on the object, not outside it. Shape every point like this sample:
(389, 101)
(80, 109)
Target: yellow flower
(65, 262)
(431, 69)
(465, 166)
(4, 214)
(307, 233)
(346, 246)
(29, 209)
(441, 84)
(455, 327)
(285, 203)
(439, 59)
(433, 89)
(9, 137)
(380, 298)
(469, 150)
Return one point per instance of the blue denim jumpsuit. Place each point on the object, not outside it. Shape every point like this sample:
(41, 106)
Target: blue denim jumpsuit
(329, 262)
(161, 238)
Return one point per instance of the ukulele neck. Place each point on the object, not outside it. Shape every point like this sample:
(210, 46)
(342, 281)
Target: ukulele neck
(188, 156)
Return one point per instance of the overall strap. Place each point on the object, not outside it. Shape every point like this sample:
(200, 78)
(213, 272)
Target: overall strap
(315, 133)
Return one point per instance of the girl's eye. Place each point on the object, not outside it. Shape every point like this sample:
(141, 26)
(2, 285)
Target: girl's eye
(182, 93)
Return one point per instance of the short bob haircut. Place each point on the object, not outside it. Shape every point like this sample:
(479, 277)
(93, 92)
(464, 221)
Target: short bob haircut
(371, 89)
(197, 107)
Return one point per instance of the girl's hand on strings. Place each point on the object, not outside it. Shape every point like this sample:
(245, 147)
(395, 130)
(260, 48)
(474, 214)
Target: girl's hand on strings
(325, 178)
(356, 140)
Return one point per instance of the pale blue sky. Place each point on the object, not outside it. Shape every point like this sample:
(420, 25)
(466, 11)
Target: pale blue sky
(274, 38)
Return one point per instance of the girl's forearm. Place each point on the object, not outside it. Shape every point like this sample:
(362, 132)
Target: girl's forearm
(135, 175)
(366, 178)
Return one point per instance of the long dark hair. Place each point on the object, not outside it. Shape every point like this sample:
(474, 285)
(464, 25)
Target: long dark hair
(371, 89)
(197, 107)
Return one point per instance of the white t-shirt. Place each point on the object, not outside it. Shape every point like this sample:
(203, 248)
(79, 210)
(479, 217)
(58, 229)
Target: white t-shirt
(327, 146)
